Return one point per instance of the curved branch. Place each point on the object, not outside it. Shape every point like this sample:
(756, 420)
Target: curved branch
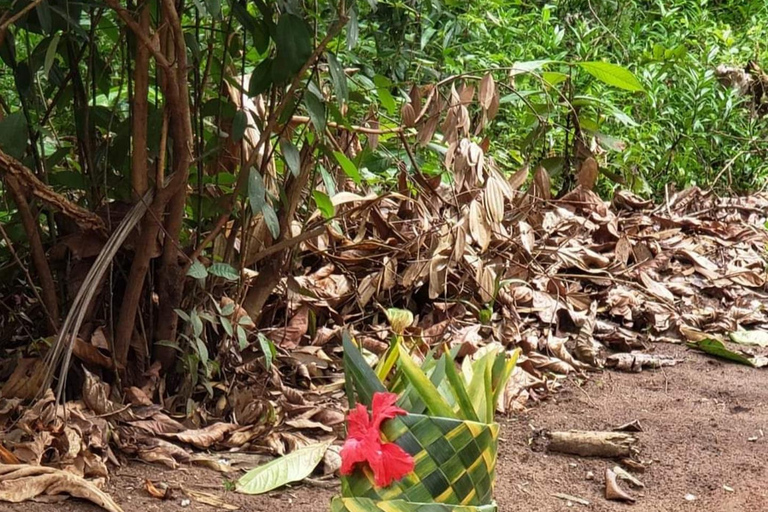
(87, 220)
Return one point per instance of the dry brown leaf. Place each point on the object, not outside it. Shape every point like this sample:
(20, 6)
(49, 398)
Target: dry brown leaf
(153, 491)
(408, 115)
(527, 237)
(487, 91)
(493, 200)
(204, 438)
(612, 489)
(542, 185)
(588, 174)
(25, 381)
(210, 499)
(478, 226)
(7, 457)
(332, 460)
(19, 483)
(656, 289)
(518, 179)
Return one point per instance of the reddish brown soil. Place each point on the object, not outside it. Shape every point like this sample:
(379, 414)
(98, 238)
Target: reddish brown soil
(698, 418)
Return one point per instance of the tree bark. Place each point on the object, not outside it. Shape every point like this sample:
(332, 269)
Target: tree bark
(139, 174)
(39, 260)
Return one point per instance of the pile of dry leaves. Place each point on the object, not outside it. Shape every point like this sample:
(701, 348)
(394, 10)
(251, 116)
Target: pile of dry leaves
(579, 284)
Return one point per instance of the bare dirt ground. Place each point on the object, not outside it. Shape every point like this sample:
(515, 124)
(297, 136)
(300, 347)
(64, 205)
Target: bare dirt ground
(704, 422)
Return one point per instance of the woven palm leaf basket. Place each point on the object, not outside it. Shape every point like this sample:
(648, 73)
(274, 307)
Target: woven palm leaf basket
(454, 459)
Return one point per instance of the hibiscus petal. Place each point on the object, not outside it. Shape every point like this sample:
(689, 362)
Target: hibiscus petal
(384, 408)
(353, 451)
(358, 422)
(390, 463)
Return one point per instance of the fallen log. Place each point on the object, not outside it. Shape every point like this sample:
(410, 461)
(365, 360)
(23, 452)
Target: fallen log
(592, 444)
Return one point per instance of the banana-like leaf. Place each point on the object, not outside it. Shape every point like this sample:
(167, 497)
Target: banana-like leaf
(388, 361)
(365, 381)
(501, 377)
(477, 385)
(427, 391)
(459, 389)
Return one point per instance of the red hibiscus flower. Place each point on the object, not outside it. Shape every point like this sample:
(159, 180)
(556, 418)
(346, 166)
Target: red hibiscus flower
(388, 461)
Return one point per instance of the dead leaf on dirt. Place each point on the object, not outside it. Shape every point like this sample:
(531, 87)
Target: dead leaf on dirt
(161, 492)
(210, 499)
(25, 381)
(637, 361)
(612, 489)
(204, 438)
(19, 483)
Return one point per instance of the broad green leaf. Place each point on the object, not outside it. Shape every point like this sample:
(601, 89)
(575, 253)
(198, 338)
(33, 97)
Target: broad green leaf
(459, 390)
(718, 349)
(242, 337)
(528, 66)
(339, 78)
(182, 315)
(316, 110)
(239, 123)
(257, 192)
(759, 338)
(225, 322)
(359, 374)
(353, 29)
(261, 78)
(612, 74)
(383, 86)
(294, 467)
(294, 46)
(13, 135)
(202, 351)
(324, 204)
(225, 271)
(268, 349)
(291, 156)
(214, 8)
(197, 324)
(427, 391)
(477, 391)
(197, 270)
(270, 218)
(50, 54)
(349, 167)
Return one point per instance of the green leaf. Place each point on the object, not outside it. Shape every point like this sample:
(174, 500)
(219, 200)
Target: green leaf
(349, 167)
(197, 270)
(324, 204)
(261, 78)
(239, 123)
(477, 390)
(202, 351)
(257, 191)
(270, 218)
(718, 349)
(427, 391)
(50, 54)
(294, 45)
(225, 271)
(388, 362)
(13, 135)
(459, 388)
(339, 78)
(359, 373)
(242, 337)
(316, 110)
(214, 8)
(612, 74)
(383, 86)
(759, 338)
(182, 315)
(268, 349)
(353, 29)
(502, 371)
(294, 467)
(197, 324)
(291, 156)
(227, 325)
